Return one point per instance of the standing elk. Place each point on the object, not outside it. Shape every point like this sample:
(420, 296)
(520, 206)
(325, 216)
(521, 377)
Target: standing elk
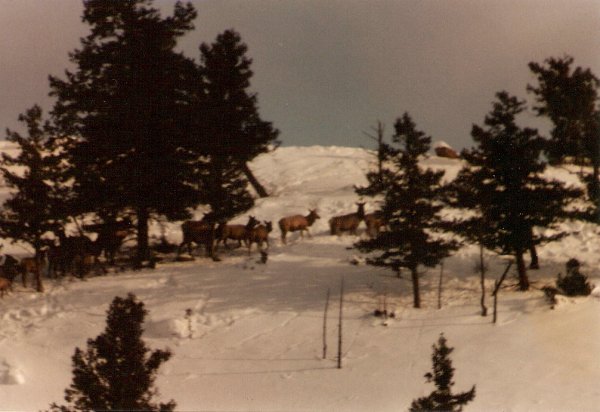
(201, 232)
(111, 235)
(30, 265)
(235, 232)
(260, 235)
(297, 222)
(374, 222)
(5, 286)
(347, 223)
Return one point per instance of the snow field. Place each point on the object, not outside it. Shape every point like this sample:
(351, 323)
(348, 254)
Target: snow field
(248, 336)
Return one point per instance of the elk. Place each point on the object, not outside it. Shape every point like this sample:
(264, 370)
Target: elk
(29, 265)
(201, 232)
(297, 222)
(235, 232)
(71, 253)
(259, 235)
(111, 235)
(5, 286)
(374, 222)
(75, 254)
(9, 267)
(347, 223)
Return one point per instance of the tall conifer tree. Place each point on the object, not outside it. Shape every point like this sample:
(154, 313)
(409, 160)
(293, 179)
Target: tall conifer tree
(569, 98)
(126, 109)
(502, 183)
(231, 128)
(37, 201)
(412, 204)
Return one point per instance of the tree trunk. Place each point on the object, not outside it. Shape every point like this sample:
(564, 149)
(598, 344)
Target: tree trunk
(596, 187)
(415, 282)
(482, 280)
(38, 265)
(254, 182)
(523, 280)
(142, 236)
(534, 264)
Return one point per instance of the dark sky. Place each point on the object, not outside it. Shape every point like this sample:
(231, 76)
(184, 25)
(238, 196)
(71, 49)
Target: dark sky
(327, 70)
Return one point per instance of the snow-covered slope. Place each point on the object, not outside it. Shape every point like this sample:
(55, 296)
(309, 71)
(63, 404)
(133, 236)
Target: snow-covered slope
(255, 338)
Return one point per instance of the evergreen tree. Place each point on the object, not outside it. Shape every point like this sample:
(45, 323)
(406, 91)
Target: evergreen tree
(378, 178)
(442, 399)
(502, 184)
(126, 110)
(413, 200)
(230, 126)
(569, 98)
(36, 202)
(225, 189)
(116, 372)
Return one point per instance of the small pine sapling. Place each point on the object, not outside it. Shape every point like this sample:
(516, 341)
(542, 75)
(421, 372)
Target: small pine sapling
(442, 398)
(116, 372)
(574, 283)
(188, 317)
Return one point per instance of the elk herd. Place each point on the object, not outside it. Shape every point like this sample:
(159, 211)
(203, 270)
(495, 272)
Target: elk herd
(209, 234)
(67, 254)
(78, 255)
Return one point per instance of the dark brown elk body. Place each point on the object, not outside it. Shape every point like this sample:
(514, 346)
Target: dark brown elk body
(29, 265)
(201, 232)
(110, 236)
(347, 223)
(235, 232)
(260, 235)
(5, 286)
(65, 257)
(297, 223)
(374, 222)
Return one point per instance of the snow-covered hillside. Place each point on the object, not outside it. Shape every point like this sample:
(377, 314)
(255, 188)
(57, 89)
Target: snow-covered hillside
(255, 339)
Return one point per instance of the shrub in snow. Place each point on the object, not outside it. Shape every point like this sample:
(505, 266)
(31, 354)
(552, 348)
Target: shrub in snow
(574, 283)
(9, 375)
(116, 372)
(442, 398)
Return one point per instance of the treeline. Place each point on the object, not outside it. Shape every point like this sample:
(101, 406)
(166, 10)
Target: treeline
(501, 188)
(137, 129)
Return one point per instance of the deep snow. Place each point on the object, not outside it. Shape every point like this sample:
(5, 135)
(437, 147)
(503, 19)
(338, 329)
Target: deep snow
(253, 341)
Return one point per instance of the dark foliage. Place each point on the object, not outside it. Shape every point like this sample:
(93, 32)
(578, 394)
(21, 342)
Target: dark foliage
(503, 186)
(569, 98)
(574, 283)
(117, 371)
(442, 399)
(38, 202)
(413, 200)
(126, 110)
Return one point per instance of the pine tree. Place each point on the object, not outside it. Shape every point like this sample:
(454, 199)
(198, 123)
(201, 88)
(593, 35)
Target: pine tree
(378, 178)
(126, 110)
(36, 203)
(569, 98)
(502, 183)
(442, 398)
(413, 200)
(116, 372)
(225, 189)
(230, 127)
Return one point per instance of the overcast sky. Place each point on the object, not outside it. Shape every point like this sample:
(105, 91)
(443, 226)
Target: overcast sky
(327, 70)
